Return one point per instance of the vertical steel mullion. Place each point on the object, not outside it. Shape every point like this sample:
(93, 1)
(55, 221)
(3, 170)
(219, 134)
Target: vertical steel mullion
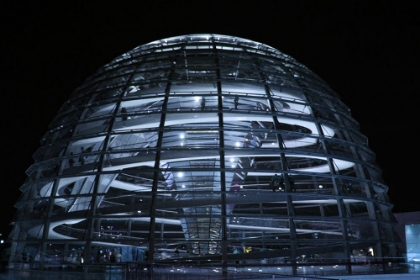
(283, 160)
(156, 168)
(156, 174)
(340, 203)
(93, 204)
(285, 167)
(360, 171)
(94, 201)
(222, 162)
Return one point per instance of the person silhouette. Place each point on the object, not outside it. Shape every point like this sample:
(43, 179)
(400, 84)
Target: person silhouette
(274, 183)
(82, 157)
(71, 161)
(124, 114)
(291, 182)
(203, 103)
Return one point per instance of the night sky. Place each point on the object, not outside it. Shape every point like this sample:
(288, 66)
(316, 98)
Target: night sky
(367, 51)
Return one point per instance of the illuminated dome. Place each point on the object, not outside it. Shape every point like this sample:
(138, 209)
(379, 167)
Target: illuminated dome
(174, 146)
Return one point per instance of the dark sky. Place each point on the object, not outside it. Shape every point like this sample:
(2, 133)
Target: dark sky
(367, 51)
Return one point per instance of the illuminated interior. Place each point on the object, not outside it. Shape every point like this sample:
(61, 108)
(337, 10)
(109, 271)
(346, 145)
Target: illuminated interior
(172, 147)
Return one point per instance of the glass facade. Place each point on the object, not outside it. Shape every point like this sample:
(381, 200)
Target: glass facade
(202, 147)
(412, 232)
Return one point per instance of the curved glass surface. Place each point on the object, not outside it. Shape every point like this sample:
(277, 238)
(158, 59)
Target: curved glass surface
(171, 150)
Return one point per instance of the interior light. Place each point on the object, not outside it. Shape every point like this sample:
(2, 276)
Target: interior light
(180, 174)
(371, 251)
(320, 186)
(182, 136)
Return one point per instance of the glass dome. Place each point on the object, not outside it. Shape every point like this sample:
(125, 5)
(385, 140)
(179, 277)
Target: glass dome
(203, 147)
